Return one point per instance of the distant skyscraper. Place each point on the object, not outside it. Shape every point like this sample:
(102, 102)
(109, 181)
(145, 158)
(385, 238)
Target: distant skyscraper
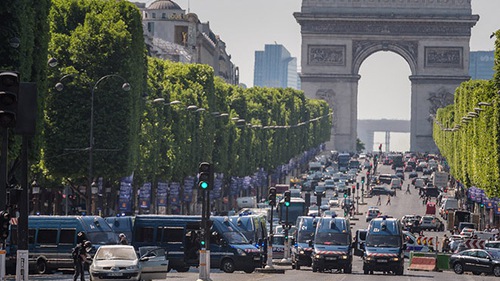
(481, 65)
(274, 67)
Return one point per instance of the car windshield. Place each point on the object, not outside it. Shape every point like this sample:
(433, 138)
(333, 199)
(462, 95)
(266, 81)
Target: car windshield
(374, 240)
(230, 232)
(331, 238)
(103, 238)
(127, 253)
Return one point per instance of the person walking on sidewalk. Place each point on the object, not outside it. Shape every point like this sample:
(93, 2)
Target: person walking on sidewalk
(379, 202)
(408, 189)
(388, 200)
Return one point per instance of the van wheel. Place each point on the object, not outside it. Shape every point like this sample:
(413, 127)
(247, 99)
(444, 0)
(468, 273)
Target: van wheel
(297, 266)
(314, 269)
(227, 266)
(182, 269)
(496, 271)
(249, 270)
(41, 266)
(348, 269)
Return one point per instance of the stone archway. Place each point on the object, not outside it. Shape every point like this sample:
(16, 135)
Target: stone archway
(338, 35)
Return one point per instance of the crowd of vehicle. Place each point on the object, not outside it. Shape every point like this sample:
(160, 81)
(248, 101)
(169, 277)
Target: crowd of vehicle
(309, 229)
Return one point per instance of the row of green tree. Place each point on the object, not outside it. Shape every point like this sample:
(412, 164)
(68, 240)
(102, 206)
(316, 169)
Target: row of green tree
(140, 130)
(467, 132)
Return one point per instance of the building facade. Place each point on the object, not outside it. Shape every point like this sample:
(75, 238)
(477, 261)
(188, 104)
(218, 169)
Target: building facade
(172, 34)
(275, 67)
(481, 65)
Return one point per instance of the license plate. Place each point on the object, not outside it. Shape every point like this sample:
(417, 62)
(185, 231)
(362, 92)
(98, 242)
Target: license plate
(115, 274)
(381, 260)
(331, 258)
(256, 258)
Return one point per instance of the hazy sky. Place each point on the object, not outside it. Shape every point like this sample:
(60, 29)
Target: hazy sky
(247, 25)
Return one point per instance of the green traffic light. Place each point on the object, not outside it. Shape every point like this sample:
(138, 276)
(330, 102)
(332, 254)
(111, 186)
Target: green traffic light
(287, 204)
(202, 242)
(345, 195)
(204, 185)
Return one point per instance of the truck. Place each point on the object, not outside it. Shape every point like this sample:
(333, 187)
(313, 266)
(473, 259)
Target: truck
(343, 161)
(384, 247)
(332, 245)
(440, 179)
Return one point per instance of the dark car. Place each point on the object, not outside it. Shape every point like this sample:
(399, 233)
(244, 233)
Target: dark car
(381, 190)
(476, 261)
(401, 175)
(408, 168)
(427, 172)
(412, 175)
(419, 169)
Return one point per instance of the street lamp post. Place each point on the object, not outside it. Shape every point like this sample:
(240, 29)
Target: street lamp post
(126, 88)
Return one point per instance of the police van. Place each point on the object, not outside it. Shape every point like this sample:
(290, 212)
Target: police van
(301, 251)
(384, 246)
(332, 245)
(180, 236)
(52, 238)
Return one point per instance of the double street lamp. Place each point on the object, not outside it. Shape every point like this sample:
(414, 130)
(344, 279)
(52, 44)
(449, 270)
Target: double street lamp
(125, 87)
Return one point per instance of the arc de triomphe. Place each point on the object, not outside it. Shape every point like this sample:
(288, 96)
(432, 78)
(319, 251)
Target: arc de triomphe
(338, 35)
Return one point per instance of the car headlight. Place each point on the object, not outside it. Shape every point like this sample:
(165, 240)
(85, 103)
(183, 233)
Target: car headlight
(318, 256)
(344, 257)
(368, 258)
(241, 252)
(132, 267)
(395, 259)
(301, 252)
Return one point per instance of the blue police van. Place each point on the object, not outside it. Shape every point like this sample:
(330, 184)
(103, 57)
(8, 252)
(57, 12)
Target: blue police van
(332, 245)
(121, 224)
(180, 236)
(384, 246)
(301, 250)
(52, 238)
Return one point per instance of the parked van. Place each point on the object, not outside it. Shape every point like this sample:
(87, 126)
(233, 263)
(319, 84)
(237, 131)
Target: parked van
(301, 251)
(121, 225)
(52, 238)
(180, 237)
(332, 245)
(252, 226)
(384, 247)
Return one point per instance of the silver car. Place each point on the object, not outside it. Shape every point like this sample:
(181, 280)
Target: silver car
(120, 262)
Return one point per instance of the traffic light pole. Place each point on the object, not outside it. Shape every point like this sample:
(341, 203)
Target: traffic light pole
(269, 264)
(287, 243)
(3, 169)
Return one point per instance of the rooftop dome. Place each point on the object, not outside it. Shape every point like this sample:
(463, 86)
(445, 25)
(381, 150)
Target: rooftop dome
(164, 5)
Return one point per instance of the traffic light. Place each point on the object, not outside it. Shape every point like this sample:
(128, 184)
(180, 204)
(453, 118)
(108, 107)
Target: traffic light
(362, 180)
(272, 196)
(353, 190)
(348, 192)
(4, 225)
(9, 90)
(287, 198)
(204, 176)
(345, 193)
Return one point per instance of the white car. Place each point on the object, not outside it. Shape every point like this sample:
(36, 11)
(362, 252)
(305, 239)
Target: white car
(333, 202)
(120, 262)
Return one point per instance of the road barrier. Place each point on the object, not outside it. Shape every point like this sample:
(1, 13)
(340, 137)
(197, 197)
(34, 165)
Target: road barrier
(474, 243)
(423, 261)
(424, 240)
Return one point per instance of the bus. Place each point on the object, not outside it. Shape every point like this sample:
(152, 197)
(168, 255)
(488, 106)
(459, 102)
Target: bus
(343, 161)
(296, 209)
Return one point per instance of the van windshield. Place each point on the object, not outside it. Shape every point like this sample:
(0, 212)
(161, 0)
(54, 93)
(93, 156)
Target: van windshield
(332, 238)
(231, 233)
(392, 241)
(305, 236)
(103, 238)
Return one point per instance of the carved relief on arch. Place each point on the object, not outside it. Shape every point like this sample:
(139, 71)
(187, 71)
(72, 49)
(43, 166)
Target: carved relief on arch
(330, 97)
(407, 49)
(439, 99)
